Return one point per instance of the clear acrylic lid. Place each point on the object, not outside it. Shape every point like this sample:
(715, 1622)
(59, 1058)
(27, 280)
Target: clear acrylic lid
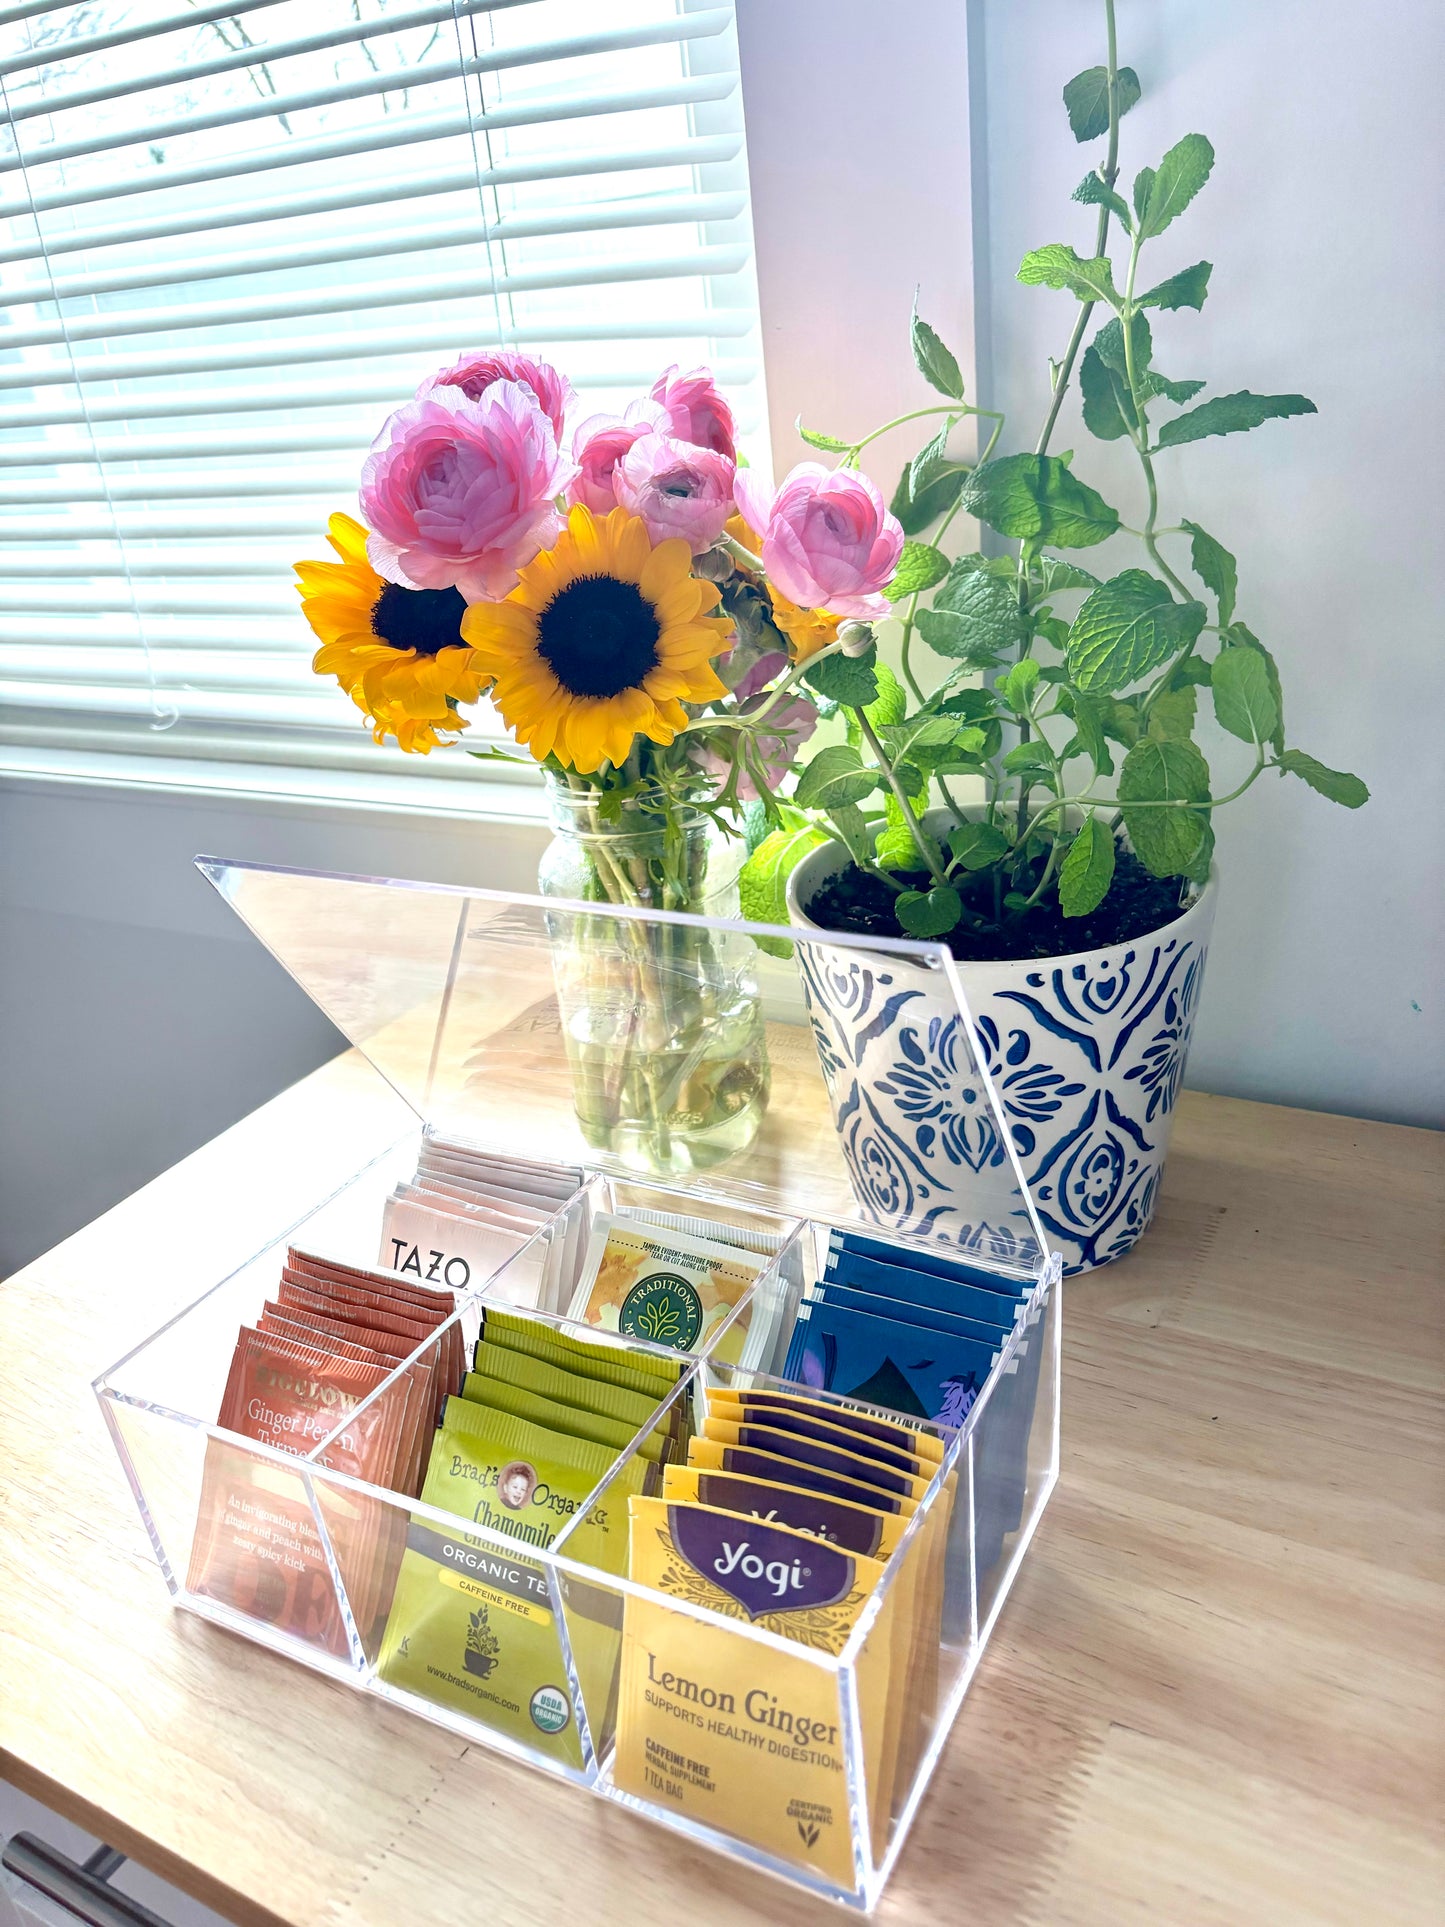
(796, 1072)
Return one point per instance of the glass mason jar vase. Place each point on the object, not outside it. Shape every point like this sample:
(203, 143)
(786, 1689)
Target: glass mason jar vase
(663, 1025)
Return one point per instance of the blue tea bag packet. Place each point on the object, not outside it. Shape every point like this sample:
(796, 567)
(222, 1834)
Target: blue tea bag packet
(888, 1361)
(936, 1264)
(990, 1332)
(901, 1281)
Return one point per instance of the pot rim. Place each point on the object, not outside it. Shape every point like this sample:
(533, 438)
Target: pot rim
(812, 861)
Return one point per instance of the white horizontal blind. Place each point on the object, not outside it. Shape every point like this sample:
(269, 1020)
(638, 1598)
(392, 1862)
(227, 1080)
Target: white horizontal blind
(232, 238)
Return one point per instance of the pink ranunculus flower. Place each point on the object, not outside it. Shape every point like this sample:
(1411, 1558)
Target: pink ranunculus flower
(696, 411)
(600, 443)
(677, 489)
(458, 493)
(828, 541)
(795, 717)
(475, 374)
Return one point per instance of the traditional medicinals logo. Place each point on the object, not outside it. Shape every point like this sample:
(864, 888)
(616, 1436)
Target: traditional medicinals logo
(665, 1309)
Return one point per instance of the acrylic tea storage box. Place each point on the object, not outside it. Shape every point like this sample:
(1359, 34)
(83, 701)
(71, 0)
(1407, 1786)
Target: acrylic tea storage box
(506, 1023)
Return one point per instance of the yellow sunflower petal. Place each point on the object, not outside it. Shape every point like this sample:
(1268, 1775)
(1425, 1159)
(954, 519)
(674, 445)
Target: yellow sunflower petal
(668, 567)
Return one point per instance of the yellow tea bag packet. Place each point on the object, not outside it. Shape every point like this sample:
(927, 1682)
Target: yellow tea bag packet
(471, 1625)
(729, 1445)
(734, 1734)
(768, 1407)
(837, 1456)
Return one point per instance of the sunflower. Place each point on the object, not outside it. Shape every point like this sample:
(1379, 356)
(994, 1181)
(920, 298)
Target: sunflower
(603, 639)
(807, 630)
(397, 652)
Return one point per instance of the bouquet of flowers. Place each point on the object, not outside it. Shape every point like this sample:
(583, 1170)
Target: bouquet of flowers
(660, 632)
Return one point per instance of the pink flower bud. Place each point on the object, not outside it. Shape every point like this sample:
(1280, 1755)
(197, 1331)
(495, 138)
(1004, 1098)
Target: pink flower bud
(459, 494)
(677, 489)
(600, 444)
(475, 374)
(828, 541)
(696, 412)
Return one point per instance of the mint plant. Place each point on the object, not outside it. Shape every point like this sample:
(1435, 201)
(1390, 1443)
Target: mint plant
(1075, 700)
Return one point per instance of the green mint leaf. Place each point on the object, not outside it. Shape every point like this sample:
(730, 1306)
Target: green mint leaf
(1086, 100)
(1018, 686)
(932, 462)
(1088, 869)
(1181, 174)
(890, 705)
(1026, 758)
(975, 617)
(910, 740)
(830, 443)
(1198, 871)
(1171, 714)
(1093, 192)
(1054, 630)
(1057, 266)
(836, 775)
(1108, 410)
(935, 363)
(1237, 636)
(1143, 188)
(1166, 841)
(919, 567)
(763, 880)
(1153, 383)
(977, 845)
(853, 831)
(1036, 499)
(916, 513)
(846, 679)
(1053, 575)
(1126, 628)
(1089, 714)
(1242, 701)
(1230, 415)
(1186, 289)
(1001, 566)
(895, 848)
(1216, 569)
(928, 913)
(1337, 784)
(1109, 342)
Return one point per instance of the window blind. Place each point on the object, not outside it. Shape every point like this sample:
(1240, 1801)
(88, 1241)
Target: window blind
(233, 238)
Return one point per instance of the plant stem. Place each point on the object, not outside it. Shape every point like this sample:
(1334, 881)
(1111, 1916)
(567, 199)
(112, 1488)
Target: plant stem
(956, 408)
(915, 828)
(1108, 174)
(1139, 434)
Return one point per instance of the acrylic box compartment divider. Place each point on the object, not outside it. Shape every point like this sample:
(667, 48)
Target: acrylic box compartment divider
(460, 999)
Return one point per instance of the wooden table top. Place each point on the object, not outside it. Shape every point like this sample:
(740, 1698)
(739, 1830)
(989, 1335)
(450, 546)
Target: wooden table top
(1215, 1695)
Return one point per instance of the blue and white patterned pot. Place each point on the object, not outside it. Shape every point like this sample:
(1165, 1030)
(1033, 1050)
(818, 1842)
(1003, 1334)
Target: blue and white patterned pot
(1087, 1054)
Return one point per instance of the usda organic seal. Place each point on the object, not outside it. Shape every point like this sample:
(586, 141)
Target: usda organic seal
(550, 1709)
(665, 1309)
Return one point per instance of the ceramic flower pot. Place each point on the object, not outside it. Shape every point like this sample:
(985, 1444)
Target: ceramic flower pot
(1087, 1053)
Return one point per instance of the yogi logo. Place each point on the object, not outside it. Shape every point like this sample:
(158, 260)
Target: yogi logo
(664, 1308)
(762, 1572)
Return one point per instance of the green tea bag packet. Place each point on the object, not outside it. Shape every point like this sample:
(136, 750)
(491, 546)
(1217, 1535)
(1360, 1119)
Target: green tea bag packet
(599, 1358)
(736, 1734)
(473, 1627)
(530, 1374)
(505, 1396)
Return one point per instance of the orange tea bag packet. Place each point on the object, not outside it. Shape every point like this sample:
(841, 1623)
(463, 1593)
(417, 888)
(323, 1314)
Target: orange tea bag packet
(257, 1548)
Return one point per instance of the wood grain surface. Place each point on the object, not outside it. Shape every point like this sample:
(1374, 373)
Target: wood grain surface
(1216, 1695)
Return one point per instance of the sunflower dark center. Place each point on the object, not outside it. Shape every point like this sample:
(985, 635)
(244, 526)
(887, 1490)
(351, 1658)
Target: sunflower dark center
(422, 619)
(598, 636)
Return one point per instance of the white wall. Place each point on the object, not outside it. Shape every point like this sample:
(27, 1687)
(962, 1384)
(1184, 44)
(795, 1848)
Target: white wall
(1323, 220)
(138, 1018)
